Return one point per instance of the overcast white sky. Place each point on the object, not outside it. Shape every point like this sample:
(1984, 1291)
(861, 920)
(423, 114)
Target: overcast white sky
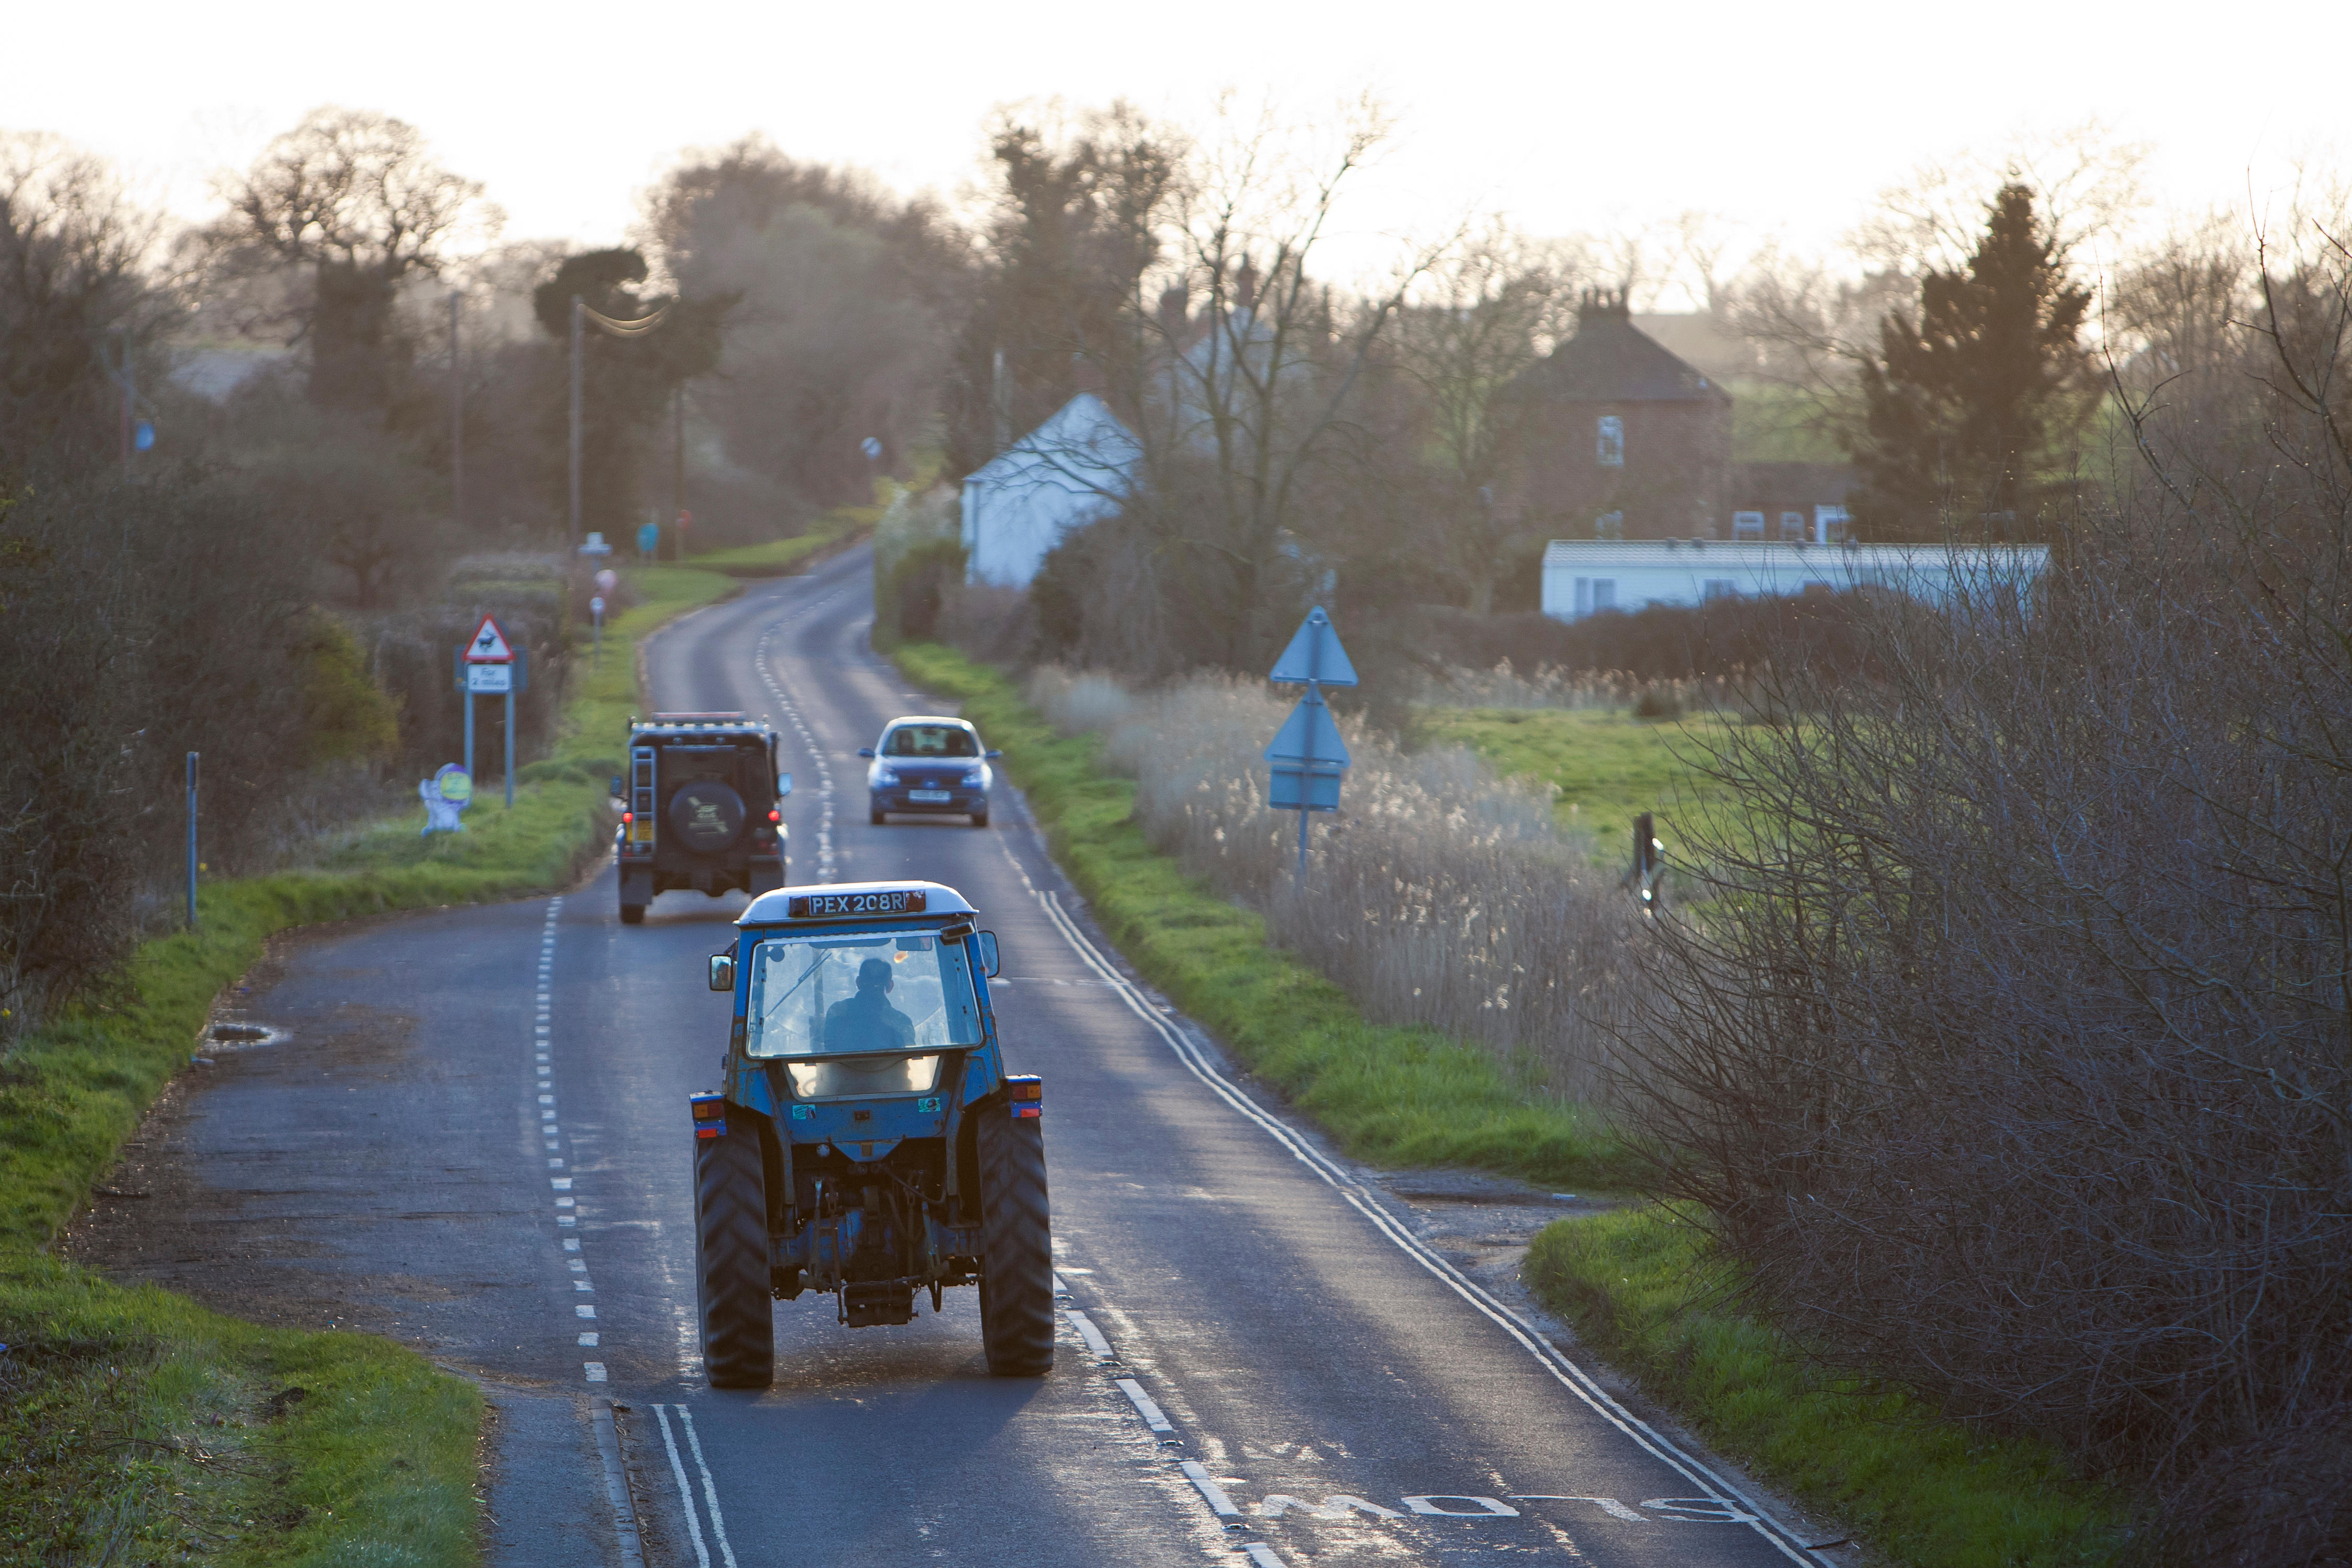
(1785, 118)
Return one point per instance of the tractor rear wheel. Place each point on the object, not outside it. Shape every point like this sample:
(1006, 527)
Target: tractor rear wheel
(1016, 1240)
(731, 1257)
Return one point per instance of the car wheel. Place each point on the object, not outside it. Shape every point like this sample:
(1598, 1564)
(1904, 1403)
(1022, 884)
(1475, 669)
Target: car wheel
(874, 815)
(980, 817)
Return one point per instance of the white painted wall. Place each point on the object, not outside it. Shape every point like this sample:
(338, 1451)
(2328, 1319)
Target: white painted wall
(1583, 577)
(1072, 471)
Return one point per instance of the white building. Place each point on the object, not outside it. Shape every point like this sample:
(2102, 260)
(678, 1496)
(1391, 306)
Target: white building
(1072, 471)
(1582, 577)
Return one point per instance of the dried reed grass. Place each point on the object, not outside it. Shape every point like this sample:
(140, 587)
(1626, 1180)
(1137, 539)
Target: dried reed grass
(1439, 895)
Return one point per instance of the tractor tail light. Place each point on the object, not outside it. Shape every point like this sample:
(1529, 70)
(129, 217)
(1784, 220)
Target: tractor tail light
(628, 816)
(710, 1115)
(774, 816)
(1028, 1096)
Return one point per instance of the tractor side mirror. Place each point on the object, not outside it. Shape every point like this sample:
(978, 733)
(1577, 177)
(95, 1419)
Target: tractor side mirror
(992, 756)
(865, 751)
(722, 972)
(987, 941)
(619, 793)
(783, 784)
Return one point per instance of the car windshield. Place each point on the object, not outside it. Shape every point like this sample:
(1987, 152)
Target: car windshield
(868, 996)
(931, 740)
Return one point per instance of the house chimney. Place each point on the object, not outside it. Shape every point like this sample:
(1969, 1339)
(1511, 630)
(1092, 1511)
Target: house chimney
(1599, 304)
(1245, 286)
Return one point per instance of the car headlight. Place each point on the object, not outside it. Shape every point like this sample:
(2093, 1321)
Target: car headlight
(977, 778)
(885, 775)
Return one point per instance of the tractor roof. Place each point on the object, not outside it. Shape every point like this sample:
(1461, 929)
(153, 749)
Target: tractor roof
(829, 901)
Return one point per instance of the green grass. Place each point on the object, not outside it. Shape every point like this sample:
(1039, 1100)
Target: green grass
(1648, 1291)
(783, 557)
(1393, 1096)
(1607, 766)
(376, 1463)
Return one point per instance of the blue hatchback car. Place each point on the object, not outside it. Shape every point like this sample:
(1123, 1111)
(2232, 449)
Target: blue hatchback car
(927, 764)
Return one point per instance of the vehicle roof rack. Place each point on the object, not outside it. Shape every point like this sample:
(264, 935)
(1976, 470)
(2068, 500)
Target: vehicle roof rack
(696, 718)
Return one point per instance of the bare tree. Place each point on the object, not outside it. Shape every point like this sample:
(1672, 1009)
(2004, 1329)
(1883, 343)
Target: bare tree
(74, 283)
(1484, 315)
(353, 202)
(1245, 404)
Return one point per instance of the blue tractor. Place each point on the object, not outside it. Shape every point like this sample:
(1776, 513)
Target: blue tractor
(868, 1143)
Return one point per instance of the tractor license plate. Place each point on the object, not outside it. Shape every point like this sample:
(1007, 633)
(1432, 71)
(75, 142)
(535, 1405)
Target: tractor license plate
(931, 795)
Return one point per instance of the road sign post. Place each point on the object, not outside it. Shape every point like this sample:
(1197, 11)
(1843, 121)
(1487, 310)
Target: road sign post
(489, 663)
(1308, 757)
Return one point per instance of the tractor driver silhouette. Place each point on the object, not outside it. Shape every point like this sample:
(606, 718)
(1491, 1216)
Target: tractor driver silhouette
(867, 1022)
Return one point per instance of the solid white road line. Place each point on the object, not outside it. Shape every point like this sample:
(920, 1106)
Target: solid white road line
(685, 1491)
(709, 1487)
(1570, 1375)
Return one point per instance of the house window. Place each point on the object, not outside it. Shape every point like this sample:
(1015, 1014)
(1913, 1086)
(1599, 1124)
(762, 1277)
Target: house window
(1792, 527)
(1583, 597)
(1605, 593)
(1748, 525)
(1831, 524)
(1716, 588)
(1609, 525)
(1611, 444)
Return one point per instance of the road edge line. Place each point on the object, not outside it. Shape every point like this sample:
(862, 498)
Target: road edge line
(625, 1530)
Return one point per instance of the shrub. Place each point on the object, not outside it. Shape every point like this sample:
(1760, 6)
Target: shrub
(2012, 1059)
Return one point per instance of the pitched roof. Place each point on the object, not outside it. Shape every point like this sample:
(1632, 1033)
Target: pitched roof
(1610, 360)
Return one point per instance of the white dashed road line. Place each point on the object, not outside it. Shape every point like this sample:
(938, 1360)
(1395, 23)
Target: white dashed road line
(550, 1131)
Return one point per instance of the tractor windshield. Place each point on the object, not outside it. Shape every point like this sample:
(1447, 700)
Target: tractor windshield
(868, 1000)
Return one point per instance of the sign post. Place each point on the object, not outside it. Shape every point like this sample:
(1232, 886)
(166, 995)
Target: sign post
(490, 667)
(1309, 756)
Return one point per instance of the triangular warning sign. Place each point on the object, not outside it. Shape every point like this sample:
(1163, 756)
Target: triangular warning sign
(1315, 654)
(1310, 734)
(489, 645)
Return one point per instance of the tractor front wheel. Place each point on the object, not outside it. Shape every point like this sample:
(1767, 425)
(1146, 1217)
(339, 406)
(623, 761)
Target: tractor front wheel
(1016, 1238)
(730, 1256)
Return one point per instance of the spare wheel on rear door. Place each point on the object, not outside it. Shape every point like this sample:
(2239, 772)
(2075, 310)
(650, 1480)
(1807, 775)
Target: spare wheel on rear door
(705, 816)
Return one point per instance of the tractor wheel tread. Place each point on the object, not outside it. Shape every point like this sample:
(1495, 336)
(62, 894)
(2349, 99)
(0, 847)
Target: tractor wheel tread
(731, 1235)
(1017, 1288)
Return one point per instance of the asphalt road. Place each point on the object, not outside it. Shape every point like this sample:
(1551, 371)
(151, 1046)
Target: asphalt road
(473, 1135)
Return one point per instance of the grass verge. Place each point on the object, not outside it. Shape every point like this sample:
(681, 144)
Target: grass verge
(109, 1394)
(1642, 1289)
(1395, 1096)
(783, 557)
(1647, 1291)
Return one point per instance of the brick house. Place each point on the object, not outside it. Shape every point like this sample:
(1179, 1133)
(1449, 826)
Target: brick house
(1611, 436)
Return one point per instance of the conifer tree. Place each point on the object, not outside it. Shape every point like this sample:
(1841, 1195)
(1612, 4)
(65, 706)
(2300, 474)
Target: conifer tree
(1967, 410)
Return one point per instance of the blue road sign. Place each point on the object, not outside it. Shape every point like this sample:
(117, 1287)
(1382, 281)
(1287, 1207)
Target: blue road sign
(1315, 655)
(1310, 734)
